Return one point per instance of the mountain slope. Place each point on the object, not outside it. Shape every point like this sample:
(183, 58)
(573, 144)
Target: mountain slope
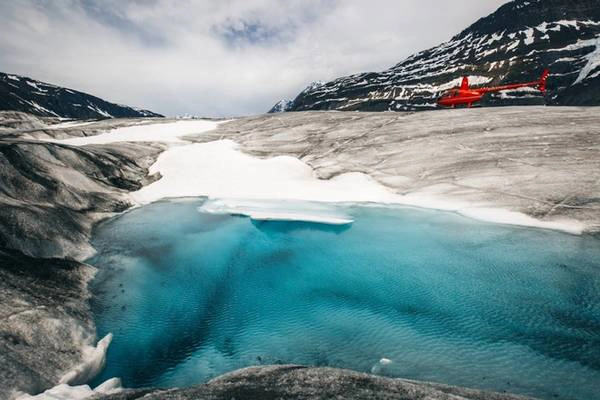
(281, 106)
(513, 44)
(18, 93)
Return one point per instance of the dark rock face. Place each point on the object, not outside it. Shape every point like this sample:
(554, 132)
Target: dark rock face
(294, 382)
(514, 44)
(18, 93)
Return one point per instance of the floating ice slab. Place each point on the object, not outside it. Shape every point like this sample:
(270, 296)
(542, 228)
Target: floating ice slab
(280, 210)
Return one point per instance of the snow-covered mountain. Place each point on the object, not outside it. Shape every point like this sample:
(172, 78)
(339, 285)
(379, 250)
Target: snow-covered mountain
(19, 93)
(513, 44)
(287, 105)
(281, 106)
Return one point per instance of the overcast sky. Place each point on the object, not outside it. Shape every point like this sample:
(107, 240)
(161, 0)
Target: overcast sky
(217, 57)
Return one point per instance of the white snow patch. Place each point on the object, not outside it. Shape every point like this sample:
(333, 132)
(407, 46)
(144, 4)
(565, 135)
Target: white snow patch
(37, 106)
(565, 59)
(99, 111)
(529, 36)
(513, 45)
(434, 198)
(543, 27)
(495, 37)
(593, 60)
(170, 132)
(35, 86)
(572, 23)
(594, 75)
(218, 170)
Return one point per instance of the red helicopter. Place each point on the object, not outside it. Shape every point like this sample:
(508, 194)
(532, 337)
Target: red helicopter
(468, 96)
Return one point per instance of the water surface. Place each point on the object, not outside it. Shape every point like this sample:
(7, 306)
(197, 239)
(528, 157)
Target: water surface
(189, 296)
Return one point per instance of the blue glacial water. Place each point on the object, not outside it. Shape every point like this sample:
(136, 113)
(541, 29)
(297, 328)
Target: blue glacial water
(189, 296)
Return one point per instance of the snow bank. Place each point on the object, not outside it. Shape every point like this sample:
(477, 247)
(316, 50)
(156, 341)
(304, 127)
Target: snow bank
(170, 132)
(218, 170)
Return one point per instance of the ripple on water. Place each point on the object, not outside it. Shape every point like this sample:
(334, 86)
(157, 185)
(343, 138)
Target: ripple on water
(401, 292)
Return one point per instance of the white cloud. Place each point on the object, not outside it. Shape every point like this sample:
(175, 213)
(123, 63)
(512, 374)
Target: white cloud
(227, 57)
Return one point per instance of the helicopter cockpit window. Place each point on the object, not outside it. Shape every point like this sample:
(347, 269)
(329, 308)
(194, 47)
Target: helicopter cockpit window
(450, 93)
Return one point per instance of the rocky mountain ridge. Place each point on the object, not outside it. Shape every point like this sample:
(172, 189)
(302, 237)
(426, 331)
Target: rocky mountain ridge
(19, 93)
(514, 44)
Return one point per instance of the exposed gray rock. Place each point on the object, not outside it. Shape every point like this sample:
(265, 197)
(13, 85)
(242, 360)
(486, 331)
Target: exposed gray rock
(293, 382)
(44, 320)
(542, 161)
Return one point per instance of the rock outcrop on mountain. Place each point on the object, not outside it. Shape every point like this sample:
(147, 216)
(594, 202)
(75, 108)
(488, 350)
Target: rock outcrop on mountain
(19, 93)
(514, 44)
